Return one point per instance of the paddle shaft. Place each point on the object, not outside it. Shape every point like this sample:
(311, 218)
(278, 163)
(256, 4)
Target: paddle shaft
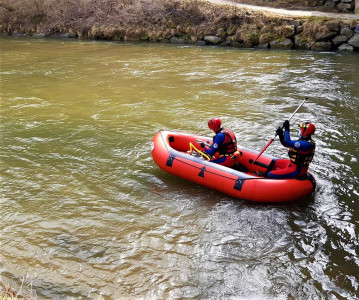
(272, 139)
(296, 110)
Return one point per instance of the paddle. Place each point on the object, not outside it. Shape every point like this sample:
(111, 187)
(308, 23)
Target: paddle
(271, 140)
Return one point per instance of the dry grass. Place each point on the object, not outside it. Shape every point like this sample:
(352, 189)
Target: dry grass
(122, 19)
(60, 15)
(7, 293)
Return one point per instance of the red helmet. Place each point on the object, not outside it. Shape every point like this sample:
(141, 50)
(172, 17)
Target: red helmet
(306, 129)
(214, 124)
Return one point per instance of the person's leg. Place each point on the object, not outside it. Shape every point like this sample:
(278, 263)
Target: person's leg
(224, 161)
(283, 168)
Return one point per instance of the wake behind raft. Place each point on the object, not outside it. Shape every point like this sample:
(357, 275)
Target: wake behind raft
(177, 153)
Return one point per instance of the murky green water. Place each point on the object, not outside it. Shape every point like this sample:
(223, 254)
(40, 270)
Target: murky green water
(86, 213)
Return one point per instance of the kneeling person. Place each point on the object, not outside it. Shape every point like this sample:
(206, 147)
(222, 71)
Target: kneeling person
(301, 152)
(224, 144)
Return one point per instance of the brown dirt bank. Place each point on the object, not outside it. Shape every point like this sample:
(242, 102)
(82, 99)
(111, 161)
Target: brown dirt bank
(192, 21)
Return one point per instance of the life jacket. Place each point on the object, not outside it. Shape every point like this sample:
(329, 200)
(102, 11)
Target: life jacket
(229, 146)
(302, 158)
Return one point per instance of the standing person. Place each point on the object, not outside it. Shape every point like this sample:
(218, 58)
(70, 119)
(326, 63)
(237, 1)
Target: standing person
(301, 152)
(224, 144)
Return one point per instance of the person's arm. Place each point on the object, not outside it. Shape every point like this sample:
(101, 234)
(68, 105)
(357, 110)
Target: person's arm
(218, 140)
(298, 145)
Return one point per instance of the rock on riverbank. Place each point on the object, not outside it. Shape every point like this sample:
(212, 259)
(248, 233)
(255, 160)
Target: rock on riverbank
(293, 34)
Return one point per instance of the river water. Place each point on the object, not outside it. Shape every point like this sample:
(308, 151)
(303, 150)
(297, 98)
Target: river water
(86, 213)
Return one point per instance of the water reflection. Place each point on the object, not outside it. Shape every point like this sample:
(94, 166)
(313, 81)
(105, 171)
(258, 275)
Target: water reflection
(86, 212)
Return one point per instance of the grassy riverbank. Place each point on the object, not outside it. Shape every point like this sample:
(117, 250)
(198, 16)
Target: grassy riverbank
(192, 21)
(113, 18)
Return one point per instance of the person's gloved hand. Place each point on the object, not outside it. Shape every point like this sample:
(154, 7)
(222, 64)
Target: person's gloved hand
(202, 144)
(280, 132)
(286, 125)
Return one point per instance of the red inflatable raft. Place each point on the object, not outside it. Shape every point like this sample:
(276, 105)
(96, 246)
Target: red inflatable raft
(173, 152)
